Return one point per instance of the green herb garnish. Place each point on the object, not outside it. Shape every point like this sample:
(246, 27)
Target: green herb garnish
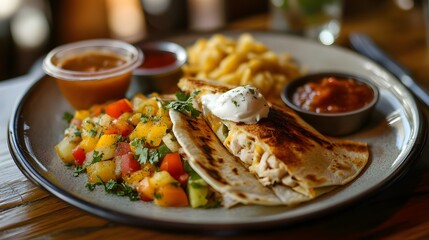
(145, 154)
(77, 133)
(68, 117)
(184, 104)
(97, 157)
(78, 170)
(113, 187)
(92, 132)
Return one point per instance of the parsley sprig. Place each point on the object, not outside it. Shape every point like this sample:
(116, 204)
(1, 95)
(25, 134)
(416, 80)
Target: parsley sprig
(184, 104)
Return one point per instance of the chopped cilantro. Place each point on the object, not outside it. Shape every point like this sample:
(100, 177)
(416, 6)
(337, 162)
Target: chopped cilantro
(91, 187)
(119, 139)
(251, 90)
(145, 154)
(92, 132)
(156, 118)
(78, 170)
(182, 96)
(163, 150)
(157, 196)
(113, 187)
(144, 118)
(97, 157)
(235, 103)
(68, 117)
(77, 133)
(184, 104)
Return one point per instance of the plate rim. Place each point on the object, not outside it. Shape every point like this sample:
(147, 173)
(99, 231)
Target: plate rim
(20, 158)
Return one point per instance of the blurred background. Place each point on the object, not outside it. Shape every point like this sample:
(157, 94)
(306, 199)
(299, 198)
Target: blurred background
(30, 28)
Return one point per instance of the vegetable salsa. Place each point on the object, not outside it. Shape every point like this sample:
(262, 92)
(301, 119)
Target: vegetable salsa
(128, 148)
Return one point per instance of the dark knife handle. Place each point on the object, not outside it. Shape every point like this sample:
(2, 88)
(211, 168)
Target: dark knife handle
(364, 45)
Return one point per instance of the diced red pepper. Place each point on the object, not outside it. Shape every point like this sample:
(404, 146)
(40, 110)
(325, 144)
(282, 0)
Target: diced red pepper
(116, 109)
(79, 155)
(172, 163)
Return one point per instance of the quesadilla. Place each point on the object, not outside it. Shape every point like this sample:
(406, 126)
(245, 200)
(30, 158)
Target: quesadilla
(282, 151)
(221, 170)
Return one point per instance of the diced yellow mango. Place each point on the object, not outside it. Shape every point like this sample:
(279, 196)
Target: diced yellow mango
(166, 121)
(108, 152)
(135, 119)
(64, 150)
(155, 135)
(104, 170)
(148, 107)
(107, 140)
(125, 116)
(161, 178)
(88, 144)
(137, 99)
(88, 125)
(141, 131)
(81, 114)
(135, 177)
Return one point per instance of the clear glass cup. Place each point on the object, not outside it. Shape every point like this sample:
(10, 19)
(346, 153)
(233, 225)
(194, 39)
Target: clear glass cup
(317, 19)
(93, 71)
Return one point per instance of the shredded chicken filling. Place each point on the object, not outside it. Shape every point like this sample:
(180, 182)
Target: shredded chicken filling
(261, 163)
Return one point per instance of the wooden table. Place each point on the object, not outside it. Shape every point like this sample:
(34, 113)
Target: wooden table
(399, 212)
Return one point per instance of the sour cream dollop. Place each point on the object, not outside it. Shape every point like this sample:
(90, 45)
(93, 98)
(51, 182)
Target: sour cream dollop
(242, 104)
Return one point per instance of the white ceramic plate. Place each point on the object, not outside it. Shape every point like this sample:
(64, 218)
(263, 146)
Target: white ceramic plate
(394, 133)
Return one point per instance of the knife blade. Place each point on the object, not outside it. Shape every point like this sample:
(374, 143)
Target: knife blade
(366, 46)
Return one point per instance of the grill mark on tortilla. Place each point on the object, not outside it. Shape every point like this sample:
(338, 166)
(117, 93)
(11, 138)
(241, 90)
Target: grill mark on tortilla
(282, 129)
(242, 195)
(235, 171)
(315, 179)
(191, 124)
(213, 173)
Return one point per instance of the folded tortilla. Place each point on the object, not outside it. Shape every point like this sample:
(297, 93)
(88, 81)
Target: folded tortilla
(222, 171)
(282, 150)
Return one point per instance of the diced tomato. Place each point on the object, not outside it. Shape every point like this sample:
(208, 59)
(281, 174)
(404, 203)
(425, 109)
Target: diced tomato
(116, 109)
(122, 148)
(170, 195)
(145, 189)
(172, 163)
(79, 155)
(129, 164)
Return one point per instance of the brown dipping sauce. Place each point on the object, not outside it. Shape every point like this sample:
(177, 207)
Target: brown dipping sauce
(91, 62)
(157, 59)
(333, 95)
(84, 93)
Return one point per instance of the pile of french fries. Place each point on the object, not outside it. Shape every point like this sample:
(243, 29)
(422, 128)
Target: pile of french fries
(241, 62)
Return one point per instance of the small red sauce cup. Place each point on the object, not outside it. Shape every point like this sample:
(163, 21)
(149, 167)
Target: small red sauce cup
(344, 118)
(161, 69)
